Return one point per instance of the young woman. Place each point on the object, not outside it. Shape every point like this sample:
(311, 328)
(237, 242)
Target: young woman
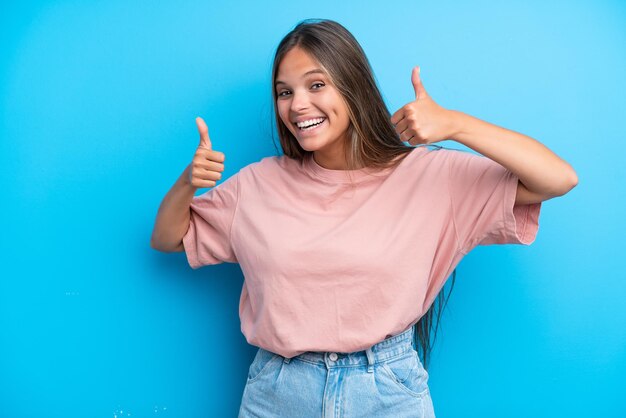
(347, 238)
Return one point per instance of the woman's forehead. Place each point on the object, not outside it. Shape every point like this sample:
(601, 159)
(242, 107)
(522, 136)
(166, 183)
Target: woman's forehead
(297, 64)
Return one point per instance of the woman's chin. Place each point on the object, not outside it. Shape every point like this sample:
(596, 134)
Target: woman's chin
(310, 144)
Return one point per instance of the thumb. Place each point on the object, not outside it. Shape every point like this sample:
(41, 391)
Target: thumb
(205, 142)
(420, 91)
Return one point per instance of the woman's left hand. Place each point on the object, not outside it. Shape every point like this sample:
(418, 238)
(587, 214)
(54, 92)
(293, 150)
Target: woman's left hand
(423, 121)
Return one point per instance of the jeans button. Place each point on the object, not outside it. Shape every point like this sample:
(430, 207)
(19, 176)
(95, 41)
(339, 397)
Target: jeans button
(333, 356)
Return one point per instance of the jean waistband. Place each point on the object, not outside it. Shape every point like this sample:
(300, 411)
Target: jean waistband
(389, 348)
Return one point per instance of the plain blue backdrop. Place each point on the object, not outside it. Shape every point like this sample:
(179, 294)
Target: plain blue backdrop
(97, 108)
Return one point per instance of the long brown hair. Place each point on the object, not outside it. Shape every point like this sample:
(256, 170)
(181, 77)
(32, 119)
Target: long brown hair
(372, 139)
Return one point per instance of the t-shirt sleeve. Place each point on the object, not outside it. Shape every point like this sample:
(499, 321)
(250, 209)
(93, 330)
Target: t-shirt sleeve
(482, 194)
(208, 239)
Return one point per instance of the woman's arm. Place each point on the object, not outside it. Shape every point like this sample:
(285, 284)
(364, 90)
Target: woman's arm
(542, 174)
(174, 214)
(172, 219)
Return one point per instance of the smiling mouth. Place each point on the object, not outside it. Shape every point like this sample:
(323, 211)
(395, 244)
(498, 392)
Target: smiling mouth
(311, 127)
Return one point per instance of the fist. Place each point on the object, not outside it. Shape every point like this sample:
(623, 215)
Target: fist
(207, 165)
(423, 121)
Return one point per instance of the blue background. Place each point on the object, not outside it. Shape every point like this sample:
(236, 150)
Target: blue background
(97, 108)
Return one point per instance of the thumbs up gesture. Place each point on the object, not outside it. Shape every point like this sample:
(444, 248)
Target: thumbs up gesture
(423, 121)
(207, 165)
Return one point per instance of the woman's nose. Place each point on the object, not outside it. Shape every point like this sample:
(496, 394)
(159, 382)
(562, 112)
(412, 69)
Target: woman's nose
(299, 101)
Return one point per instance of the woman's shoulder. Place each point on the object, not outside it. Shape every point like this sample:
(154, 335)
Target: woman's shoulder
(271, 165)
(439, 152)
(428, 152)
(270, 162)
(433, 159)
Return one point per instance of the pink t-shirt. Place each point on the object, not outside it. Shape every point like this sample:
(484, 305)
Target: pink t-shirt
(333, 267)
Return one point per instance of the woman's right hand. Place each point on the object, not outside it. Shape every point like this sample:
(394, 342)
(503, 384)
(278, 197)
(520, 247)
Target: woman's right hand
(207, 165)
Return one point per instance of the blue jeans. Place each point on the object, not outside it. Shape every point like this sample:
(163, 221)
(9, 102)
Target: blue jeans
(386, 380)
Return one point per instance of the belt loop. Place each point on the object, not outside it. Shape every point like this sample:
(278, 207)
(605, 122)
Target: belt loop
(286, 360)
(370, 360)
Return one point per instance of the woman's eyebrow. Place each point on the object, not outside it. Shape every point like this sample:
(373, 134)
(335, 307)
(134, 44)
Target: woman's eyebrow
(314, 71)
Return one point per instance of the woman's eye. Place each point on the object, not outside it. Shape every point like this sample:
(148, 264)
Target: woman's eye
(285, 92)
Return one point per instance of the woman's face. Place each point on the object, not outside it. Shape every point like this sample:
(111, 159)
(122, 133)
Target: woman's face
(303, 94)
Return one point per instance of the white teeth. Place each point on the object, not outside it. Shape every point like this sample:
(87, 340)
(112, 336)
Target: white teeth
(309, 122)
